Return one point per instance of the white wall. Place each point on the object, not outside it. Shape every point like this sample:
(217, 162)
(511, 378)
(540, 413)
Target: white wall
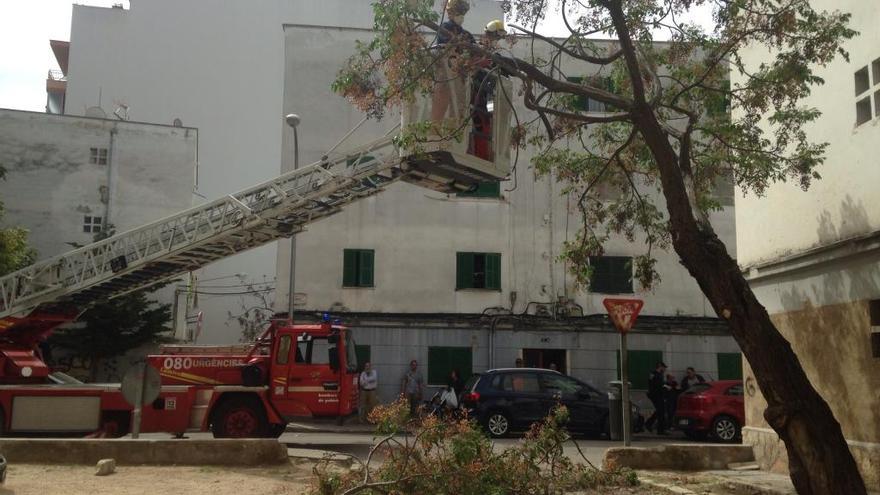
(844, 202)
(50, 184)
(416, 232)
(217, 65)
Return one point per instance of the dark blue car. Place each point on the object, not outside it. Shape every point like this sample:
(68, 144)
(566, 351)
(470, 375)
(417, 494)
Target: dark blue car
(511, 399)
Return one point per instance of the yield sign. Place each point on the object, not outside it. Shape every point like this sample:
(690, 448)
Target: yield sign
(623, 312)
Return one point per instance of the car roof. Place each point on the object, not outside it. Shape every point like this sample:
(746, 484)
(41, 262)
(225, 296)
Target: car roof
(509, 370)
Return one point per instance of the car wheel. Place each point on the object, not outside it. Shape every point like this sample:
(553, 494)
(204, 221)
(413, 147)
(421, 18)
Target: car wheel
(725, 429)
(497, 424)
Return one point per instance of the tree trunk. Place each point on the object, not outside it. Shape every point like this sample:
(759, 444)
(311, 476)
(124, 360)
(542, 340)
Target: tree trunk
(820, 462)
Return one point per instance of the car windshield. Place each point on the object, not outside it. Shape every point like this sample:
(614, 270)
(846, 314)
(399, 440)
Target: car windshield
(469, 385)
(351, 359)
(561, 383)
(63, 379)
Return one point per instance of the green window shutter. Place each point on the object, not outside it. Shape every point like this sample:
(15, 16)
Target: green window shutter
(442, 360)
(464, 270)
(349, 267)
(493, 271)
(730, 366)
(611, 274)
(363, 355)
(484, 190)
(640, 365)
(365, 268)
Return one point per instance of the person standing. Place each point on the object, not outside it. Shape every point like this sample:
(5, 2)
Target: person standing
(670, 396)
(656, 386)
(691, 377)
(455, 382)
(368, 381)
(412, 386)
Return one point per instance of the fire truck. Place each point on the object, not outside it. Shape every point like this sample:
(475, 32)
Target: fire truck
(291, 370)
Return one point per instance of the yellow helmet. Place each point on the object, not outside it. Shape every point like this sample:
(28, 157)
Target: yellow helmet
(457, 7)
(496, 27)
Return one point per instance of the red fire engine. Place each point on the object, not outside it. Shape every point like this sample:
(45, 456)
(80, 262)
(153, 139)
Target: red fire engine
(234, 391)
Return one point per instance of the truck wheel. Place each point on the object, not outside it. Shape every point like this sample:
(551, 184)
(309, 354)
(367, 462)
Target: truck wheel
(239, 417)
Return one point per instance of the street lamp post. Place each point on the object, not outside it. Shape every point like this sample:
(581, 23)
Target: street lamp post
(292, 120)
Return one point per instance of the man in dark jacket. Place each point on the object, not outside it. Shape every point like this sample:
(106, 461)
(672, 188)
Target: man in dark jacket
(655, 394)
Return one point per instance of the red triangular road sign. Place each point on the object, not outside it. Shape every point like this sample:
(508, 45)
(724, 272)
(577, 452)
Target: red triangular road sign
(623, 312)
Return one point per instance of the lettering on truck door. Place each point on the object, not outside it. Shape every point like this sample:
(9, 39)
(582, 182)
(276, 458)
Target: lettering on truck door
(311, 379)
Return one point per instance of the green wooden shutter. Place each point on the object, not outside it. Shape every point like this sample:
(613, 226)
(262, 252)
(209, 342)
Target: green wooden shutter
(363, 355)
(442, 360)
(730, 366)
(493, 271)
(349, 268)
(464, 270)
(365, 268)
(621, 274)
(640, 364)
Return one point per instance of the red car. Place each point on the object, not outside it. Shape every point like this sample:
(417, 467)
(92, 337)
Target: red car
(715, 409)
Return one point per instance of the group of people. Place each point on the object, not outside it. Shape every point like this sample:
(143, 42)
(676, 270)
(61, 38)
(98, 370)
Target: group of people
(412, 387)
(663, 392)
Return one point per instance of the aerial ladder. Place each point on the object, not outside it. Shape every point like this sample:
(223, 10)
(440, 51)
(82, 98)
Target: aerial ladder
(37, 299)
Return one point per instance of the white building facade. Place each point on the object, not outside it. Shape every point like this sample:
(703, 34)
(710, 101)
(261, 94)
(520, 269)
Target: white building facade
(813, 258)
(234, 69)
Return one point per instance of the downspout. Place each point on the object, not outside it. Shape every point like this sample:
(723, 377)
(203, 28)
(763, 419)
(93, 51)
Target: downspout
(111, 178)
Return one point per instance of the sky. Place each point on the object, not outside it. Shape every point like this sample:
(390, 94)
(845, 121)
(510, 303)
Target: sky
(26, 26)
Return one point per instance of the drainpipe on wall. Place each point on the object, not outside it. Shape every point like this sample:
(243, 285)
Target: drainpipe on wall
(111, 177)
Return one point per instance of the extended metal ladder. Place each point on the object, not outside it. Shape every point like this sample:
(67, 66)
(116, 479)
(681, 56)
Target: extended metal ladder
(201, 235)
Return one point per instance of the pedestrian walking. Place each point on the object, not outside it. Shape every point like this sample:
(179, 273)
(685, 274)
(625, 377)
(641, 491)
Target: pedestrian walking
(412, 386)
(655, 395)
(368, 381)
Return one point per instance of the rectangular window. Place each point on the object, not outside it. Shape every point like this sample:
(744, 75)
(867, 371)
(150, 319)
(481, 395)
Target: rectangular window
(586, 104)
(875, 68)
(861, 80)
(639, 366)
(611, 275)
(863, 110)
(357, 267)
(483, 190)
(98, 156)
(730, 366)
(478, 271)
(283, 350)
(92, 225)
(442, 360)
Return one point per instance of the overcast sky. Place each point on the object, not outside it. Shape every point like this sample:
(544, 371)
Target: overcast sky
(26, 26)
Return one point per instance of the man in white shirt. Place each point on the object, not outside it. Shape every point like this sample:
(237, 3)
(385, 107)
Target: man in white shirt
(368, 380)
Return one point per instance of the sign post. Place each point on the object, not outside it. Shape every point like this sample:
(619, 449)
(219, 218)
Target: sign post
(140, 385)
(623, 313)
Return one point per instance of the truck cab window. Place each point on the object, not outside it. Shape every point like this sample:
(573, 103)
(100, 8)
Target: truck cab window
(283, 350)
(320, 351)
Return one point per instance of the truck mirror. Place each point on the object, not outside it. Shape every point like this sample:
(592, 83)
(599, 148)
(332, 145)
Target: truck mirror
(334, 358)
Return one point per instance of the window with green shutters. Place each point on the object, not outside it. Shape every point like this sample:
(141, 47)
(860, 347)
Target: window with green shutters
(483, 190)
(640, 365)
(442, 360)
(586, 104)
(730, 366)
(611, 274)
(478, 271)
(357, 268)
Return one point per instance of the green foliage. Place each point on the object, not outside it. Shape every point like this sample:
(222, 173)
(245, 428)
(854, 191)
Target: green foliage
(15, 253)
(751, 133)
(455, 457)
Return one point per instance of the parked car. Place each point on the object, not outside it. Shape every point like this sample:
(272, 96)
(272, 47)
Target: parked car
(506, 400)
(714, 409)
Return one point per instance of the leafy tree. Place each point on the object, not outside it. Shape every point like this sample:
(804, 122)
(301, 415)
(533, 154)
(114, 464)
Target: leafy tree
(113, 327)
(14, 250)
(674, 123)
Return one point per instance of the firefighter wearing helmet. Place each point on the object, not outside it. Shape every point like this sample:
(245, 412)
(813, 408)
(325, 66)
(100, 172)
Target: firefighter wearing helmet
(495, 30)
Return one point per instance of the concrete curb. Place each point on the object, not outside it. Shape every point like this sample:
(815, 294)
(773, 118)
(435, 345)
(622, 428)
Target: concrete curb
(220, 452)
(677, 457)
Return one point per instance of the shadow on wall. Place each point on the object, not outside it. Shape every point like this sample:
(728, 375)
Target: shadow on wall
(826, 319)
